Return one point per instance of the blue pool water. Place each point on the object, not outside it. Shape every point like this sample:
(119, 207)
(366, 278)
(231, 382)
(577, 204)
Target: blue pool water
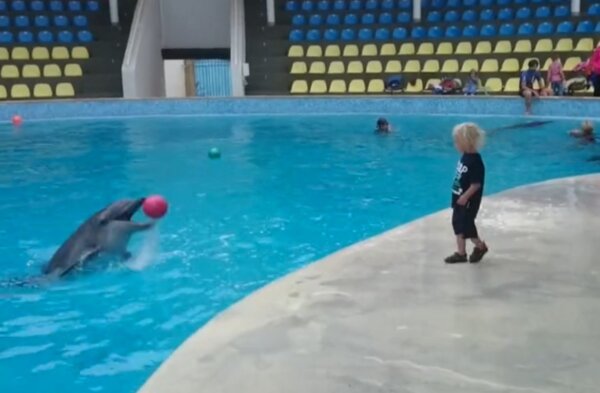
(288, 190)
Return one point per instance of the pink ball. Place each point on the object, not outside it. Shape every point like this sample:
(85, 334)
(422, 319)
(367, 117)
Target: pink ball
(155, 206)
(17, 120)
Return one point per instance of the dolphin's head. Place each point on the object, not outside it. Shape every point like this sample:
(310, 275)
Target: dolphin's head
(121, 210)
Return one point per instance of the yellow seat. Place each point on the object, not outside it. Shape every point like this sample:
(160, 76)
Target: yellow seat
(374, 67)
(564, 45)
(510, 65)
(470, 65)
(19, 53)
(52, 71)
(513, 85)
(415, 87)
(350, 50)
(20, 90)
(298, 67)
(526, 61)
(314, 51)
(357, 86)
(547, 64)
(333, 51)
(369, 50)
(408, 48)
(393, 66)
(60, 53)
(426, 48)
(431, 83)
(388, 50)
(444, 48)
(523, 46)
(31, 71)
(40, 53)
(317, 67)
(299, 87)
(503, 46)
(337, 86)
(412, 66)
(294, 51)
(464, 48)
(4, 55)
(9, 71)
(42, 90)
(450, 66)
(355, 67)
(336, 67)
(493, 85)
(3, 93)
(489, 65)
(537, 85)
(65, 89)
(318, 87)
(571, 63)
(584, 45)
(82, 53)
(543, 45)
(376, 86)
(483, 47)
(431, 65)
(73, 70)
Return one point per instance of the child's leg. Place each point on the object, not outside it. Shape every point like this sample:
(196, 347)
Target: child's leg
(461, 245)
(458, 219)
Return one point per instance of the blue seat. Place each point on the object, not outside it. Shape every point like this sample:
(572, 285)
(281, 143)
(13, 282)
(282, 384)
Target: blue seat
(526, 29)
(521, 2)
(542, 12)
(296, 35)
(597, 29)
(488, 31)
(503, 3)
(486, 15)
(486, 3)
(331, 35)
(405, 4)
(382, 34)
(524, 13)
(45, 37)
(452, 32)
(333, 20)
(399, 33)
(507, 29)
(469, 16)
(307, 5)
(2, 5)
(453, 3)
(367, 19)
(451, 17)
(339, 5)
(385, 18)
(37, 5)
(565, 27)
(435, 32)
(505, 14)
(537, 1)
(74, 6)
(348, 35)
(93, 6)
(585, 26)
(387, 5)
(4, 21)
(438, 3)
(418, 32)
(22, 21)
(323, 5)
(61, 21)
(365, 34)
(65, 37)
(594, 9)
(291, 6)
(561, 12)
(469, 3)
(6, 37)
(403, 17)
(355, 5)
(312, 35)
(18, 5)
(298, 20)
(371, 5)
(434, 17)
(350, 19)
(41, 21)
(470, 31)
(56, 6)
(315, 20)
(25, 37)
(80, 21)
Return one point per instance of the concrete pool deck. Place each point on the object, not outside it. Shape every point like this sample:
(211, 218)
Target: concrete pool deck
(387, 315)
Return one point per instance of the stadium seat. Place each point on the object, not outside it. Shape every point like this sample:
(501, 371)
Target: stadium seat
(333, 20)
(585, 26)
(291, 6)
(45, 37)
(22, 21)
(293, 51)
(488, 31)
(486, 3)
(9, 71)
(31, 71)
(382, 34)
(444, 48)
(561, 12)
(503, 46)
(545, 28)
(296, 35)
(3, 93)
(339, 5)
(42, 90)
(432, 82)
(493, 85)
(315, 20)
(571, 62)
(464, 48)
(2, 5)
(505, 14)
(415, 87)
(435, 32)
(565, 27)
(507, 29)
(298, 67)
(25, 37)
(403, 17)
(526, 29)
(412, 66)
(350, 19)
(523, 46)
(438, 3)
(487, 15)
(333, 51)
(526, 62)
(543, 45)
(41, 21)
(37, 6)
(469, 16)
(56, 6)
(453, 3)
(393, 66)
(425, 48)
(510, 65)
(6, 37)
(357, 86)
(405, 4)
(73, 70)
(523, 13)
(489, 65)
(470, 31)
(52, 71)
(585, 45)
(388, 50)
(452, 32)
(4, 21)
(418, 32)
(355, 5)
(594, 9)
(4, 54)
(431, 65)
(337, 86)
(451, 17)
(450, 66)
(65, 89)
(323, 5)
(92, 5)
(547, 64)
(369, 50)
(74, 6)
(376, 86)
(513, 85)
(19, 53)
(350, 50)
(563, 45)
(298, 20)
(399, 33)
(60, 21)
(367, 19)
(18, 5)
(314, 51)
(336, 67)
(542, 12)
(483, 47)
(20, 91)
(434, 17)
(331, 35)
(65, 37)
(387, 4)
(374, 67)
(299, 87)
(355, 67)
(40, 53)
(385, 18)
(408, 48)
(348, 35)
(597, 29)
(317, 67)
(312, 35)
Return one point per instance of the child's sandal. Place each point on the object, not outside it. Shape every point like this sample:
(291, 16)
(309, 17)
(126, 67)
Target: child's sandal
(456, 258)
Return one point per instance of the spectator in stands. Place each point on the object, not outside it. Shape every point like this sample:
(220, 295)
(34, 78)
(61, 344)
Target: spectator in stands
(556, 77)
(473, 84)
(594, 68)
(446, 86)
(585, 133)
(528, 78)
(383, 126)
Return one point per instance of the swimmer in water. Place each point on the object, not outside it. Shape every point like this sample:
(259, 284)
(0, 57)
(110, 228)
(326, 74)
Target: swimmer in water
(383, 127)
(585, 133)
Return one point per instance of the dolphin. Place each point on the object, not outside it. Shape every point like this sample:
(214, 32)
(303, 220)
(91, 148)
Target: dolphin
(106, 232)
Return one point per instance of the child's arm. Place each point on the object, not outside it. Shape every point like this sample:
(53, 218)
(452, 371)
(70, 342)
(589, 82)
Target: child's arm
(464, 198)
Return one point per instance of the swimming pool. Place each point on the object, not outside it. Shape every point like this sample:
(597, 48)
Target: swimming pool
(286, 191)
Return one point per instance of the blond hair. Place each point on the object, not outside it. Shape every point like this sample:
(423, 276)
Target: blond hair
(587, 127)
(469, 135)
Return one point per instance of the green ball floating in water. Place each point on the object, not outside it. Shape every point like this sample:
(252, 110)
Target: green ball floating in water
(214, 153)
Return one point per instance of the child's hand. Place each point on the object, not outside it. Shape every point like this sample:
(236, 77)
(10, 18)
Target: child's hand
(462, 200)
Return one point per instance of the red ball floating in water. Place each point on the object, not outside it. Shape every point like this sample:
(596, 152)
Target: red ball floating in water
(17, 120)
(155, 206)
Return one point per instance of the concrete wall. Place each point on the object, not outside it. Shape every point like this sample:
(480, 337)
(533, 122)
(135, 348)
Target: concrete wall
(195, 23)
(175, 78)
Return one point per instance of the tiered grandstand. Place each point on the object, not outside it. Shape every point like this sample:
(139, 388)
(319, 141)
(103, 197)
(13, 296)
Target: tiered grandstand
(353, 46)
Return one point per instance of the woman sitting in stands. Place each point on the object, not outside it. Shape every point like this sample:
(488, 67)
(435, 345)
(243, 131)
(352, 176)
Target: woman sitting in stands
(473, 84)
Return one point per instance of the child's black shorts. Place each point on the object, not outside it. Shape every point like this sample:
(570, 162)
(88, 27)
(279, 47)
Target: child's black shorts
(463, 220)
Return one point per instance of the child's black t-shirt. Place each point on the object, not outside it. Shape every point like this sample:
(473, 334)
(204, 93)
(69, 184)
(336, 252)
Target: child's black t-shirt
(469, 170)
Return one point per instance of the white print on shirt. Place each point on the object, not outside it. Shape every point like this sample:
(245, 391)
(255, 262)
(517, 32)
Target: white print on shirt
(460, 170)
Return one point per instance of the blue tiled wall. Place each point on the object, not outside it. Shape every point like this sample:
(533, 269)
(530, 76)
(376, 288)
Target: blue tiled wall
(213, 78)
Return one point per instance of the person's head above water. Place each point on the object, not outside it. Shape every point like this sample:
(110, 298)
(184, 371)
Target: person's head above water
(587, 128)
(383, 125)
